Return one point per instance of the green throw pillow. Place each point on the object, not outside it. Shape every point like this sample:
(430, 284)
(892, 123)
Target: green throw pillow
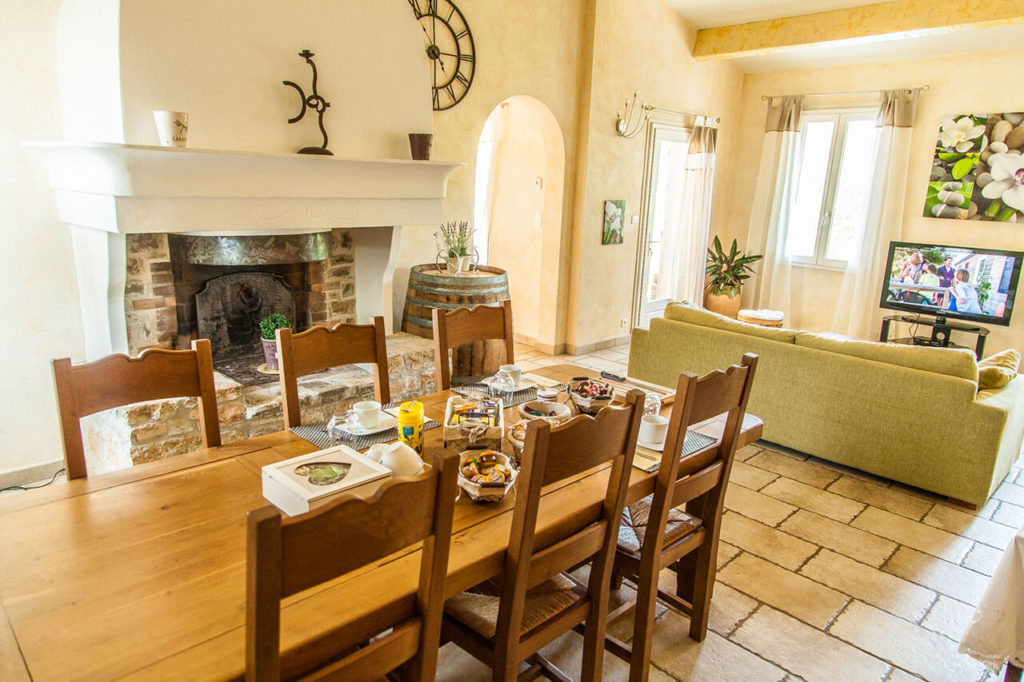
(997, 370)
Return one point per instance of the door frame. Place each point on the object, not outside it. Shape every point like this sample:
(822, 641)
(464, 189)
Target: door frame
(646, 194)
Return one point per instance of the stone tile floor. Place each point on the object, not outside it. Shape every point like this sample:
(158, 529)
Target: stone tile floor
(824, 573)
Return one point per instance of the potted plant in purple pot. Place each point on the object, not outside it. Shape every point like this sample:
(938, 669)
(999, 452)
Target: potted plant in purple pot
(268, 325)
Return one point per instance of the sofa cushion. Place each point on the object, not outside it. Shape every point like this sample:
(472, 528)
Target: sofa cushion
(691, 314)
(997, 370)
(954, 362)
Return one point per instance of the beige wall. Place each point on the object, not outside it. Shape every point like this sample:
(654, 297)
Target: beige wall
(528, 47)
(966, 83)
(37, 275)
(638, 45)
(527, 181)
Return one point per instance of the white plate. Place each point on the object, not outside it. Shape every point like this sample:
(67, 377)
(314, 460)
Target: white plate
(652, 446)
(384, 422)
(523, 383)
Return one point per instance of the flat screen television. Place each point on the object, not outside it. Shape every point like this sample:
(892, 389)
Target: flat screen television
(952, 281)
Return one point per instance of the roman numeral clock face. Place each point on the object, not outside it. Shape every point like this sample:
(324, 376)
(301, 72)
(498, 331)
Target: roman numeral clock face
(449, 45)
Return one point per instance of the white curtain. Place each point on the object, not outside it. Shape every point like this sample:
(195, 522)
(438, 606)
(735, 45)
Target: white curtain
(769, 217)
(696, 211)
(858, 313)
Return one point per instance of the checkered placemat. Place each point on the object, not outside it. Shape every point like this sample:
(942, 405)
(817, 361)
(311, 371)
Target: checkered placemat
(692, 443)
(318, 436)
(523, 395)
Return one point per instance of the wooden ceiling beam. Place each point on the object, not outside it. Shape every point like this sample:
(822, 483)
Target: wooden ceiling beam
(867, 22)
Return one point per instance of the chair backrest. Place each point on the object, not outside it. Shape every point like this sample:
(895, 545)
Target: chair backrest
(320, 348)
(118, 380)
(703, 489)
(551, 454)
(286, 556)
(476, 325)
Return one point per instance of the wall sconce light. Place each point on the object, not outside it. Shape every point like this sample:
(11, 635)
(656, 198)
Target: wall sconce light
(632, 118)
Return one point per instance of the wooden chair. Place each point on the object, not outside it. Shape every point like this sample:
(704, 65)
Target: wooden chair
(507, 620)
(286, 556)
(476, 325)
(320, 348)
(655, 535)
(118, 380)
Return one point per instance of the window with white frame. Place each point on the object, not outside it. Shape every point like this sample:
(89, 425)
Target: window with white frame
(832, 190)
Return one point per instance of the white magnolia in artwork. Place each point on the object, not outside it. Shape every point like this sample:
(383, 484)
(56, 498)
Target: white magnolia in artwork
(978, 168)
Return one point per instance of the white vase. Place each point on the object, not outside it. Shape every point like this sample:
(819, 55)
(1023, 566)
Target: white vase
(456, 265)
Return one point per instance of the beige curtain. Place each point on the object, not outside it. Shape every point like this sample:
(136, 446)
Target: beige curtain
(770, 212)
(858, 313)
(697, 186)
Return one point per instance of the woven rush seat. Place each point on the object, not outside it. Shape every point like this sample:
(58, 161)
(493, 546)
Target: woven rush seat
(634, 526)
(477, 607)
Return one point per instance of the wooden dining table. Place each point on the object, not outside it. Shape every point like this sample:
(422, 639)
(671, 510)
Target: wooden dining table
(140, 573)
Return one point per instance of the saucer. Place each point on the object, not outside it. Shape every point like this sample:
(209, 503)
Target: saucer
(657, 447)
(384, 422)
(523, 383)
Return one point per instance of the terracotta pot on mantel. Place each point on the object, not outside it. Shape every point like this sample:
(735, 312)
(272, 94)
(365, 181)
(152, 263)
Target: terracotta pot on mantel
(722, 304)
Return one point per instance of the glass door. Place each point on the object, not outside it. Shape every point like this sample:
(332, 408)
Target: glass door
(659, 262)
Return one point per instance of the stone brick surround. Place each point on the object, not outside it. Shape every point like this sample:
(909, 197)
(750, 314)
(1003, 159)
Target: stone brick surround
(161, 284)
(160, 429)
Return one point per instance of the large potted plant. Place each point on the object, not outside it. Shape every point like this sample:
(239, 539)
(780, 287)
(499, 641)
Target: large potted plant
(453, 246)
(268, 325)
(726, 272)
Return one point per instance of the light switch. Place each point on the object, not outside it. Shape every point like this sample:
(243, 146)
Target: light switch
(539, 182)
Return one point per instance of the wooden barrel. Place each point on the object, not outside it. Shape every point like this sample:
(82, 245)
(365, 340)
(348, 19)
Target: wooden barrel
(432, 288)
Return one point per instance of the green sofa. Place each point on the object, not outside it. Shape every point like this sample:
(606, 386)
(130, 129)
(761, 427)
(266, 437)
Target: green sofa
(909, 413)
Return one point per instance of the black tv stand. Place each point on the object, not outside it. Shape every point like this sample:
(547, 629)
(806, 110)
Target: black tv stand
(941, 331)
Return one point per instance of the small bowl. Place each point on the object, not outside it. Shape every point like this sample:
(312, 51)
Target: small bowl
(484, 492)
(545, 408)
(590, 404)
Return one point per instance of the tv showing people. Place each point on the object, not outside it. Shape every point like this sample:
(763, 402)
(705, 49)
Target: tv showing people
(952, 281)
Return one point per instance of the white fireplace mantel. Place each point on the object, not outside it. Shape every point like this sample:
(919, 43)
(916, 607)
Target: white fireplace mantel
(129, 189)
(107, 190)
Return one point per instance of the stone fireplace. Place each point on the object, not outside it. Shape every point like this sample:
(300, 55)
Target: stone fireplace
(183, 287)
(154, 228)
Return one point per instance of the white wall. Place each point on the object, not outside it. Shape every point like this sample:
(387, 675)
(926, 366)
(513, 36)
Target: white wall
(223, 62)
(37, 284)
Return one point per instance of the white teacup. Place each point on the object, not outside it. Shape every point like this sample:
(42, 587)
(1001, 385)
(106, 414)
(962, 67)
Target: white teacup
(402, 460)
(377, 450)
(367, 413)
(653, 429)
(514, 371)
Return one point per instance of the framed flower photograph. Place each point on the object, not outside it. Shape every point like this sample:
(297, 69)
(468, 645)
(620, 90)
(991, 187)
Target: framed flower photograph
(614, 221)
(978, 170)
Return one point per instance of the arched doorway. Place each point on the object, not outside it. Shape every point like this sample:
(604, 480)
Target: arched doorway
(520, 175)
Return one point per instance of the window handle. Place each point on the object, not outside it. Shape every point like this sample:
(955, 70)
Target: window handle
(826, 218)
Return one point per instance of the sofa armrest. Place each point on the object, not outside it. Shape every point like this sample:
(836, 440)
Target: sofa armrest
(639, 358)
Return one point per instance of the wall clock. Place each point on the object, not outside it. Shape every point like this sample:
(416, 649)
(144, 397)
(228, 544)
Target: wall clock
(450, 49)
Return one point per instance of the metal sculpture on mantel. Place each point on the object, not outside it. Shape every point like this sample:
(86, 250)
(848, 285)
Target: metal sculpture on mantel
(315, 102)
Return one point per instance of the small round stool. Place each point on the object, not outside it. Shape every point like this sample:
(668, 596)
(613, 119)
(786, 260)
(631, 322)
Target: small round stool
(763, 318)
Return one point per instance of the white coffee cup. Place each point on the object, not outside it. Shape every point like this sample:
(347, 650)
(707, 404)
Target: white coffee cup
(514, 371)
(377, 450)
(653, 429)
(402, 460)
(367, 413)
(171, 128)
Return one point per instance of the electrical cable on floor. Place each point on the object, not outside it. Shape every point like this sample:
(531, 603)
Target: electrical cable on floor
(34, 487)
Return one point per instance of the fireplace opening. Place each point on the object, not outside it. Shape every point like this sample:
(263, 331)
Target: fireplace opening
(224, 286)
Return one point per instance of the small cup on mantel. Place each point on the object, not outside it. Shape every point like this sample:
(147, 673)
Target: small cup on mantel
(171, 128)
(419, 145)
